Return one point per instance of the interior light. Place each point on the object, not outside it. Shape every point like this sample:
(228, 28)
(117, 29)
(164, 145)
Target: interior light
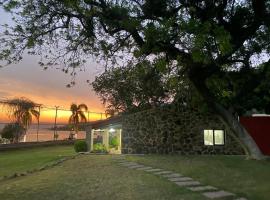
(112, 130)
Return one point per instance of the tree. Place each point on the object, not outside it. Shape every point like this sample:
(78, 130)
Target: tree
(131, 88)
(22, 111)
(77, 116)
(206, 40)
(12, 132)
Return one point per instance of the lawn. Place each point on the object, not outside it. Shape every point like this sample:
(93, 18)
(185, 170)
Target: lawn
(99, 177)
(92, 177)
(248, 178)
(27, 159)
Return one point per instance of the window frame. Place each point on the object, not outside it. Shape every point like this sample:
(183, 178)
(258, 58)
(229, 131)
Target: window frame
(214, 139)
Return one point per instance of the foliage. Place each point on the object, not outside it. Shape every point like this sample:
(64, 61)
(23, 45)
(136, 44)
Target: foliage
(245, 91)
(99, 148)
(114, 142)
(4, 141)
(131, 88)
(77, 115)
(80, 146)
(22, 111)
(12, 132)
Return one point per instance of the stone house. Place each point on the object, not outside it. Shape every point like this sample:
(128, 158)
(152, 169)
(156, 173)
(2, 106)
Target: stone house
(165, 130)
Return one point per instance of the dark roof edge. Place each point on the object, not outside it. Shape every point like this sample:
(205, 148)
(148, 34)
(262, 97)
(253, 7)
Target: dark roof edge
(106, 122)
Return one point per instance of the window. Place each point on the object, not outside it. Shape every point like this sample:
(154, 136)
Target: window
(208, 137)
(219, 137)
(214, 137)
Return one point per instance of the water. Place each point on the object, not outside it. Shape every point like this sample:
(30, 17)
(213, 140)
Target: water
(46, 134)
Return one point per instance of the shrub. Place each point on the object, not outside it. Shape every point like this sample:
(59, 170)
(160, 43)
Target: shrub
(99, 148)
(80, 146)
(114, 142)
(12, 132)
(4, 141)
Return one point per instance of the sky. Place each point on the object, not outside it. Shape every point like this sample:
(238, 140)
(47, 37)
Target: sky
(47, 87)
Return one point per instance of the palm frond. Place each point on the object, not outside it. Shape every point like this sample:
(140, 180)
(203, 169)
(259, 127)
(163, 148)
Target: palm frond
(77, 115)
(22, 110)
(73, 108)
(83, 107)
(35, 113)
(82, 116)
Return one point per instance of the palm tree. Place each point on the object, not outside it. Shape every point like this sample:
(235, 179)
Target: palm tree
(77, 116)
(22, 110)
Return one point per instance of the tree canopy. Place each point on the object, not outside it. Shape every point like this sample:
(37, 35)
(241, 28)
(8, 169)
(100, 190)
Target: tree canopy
(219, 46)
(132, 88)
(22, 111)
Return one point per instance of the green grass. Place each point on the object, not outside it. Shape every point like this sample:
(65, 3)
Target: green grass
(247, 178)
(99, 177)
(93, 177)
(27, 159)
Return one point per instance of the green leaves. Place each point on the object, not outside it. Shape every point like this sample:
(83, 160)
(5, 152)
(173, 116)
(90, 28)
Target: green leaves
(135, 87)
(30, 42)
(223, 40)
(10, 5)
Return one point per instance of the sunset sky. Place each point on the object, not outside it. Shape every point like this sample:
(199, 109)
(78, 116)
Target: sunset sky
(28, 79)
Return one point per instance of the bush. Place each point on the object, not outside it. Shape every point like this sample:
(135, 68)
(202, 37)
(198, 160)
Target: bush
(12, 132)
(99, 148)
(80, 146)
(114, 142)
(4, 141)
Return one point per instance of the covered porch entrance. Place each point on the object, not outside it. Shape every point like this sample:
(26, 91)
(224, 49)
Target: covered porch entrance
(106, 140)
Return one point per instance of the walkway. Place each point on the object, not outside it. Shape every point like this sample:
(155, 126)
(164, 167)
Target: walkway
(180, 180)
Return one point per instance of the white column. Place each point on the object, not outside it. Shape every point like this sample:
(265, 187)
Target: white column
(88, 138)
(106, 138)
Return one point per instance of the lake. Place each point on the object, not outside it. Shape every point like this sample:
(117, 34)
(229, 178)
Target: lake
(45, 134)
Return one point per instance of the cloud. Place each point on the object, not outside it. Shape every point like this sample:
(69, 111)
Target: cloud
(4, 95)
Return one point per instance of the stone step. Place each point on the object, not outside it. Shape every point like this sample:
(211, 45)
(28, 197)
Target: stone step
(153, 170)
(163, 172)
(202, 188)
(178, 179)
(174, 175)
(217, 194)
(187, 183)
(144, 168)
(135, 166)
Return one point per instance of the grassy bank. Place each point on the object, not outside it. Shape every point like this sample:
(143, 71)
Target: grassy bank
(27, 159)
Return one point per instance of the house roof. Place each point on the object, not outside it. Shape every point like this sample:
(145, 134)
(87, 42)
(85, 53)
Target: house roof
(111, 121)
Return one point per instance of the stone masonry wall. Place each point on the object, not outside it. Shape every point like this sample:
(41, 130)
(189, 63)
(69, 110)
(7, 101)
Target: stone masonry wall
(170, 130)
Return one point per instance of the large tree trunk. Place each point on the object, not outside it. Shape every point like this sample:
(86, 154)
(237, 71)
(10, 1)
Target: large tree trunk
(229, 119)
(238, 130)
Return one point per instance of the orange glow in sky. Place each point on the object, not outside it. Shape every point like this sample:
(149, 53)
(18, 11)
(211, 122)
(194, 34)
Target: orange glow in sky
(47, 115)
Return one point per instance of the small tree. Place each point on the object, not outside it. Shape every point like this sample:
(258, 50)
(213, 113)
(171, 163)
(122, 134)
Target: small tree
(12, 132)
(22, 111)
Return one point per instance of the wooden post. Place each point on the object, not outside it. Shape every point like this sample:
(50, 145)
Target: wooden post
(38, 122)
(88, 138)
(55, 127)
